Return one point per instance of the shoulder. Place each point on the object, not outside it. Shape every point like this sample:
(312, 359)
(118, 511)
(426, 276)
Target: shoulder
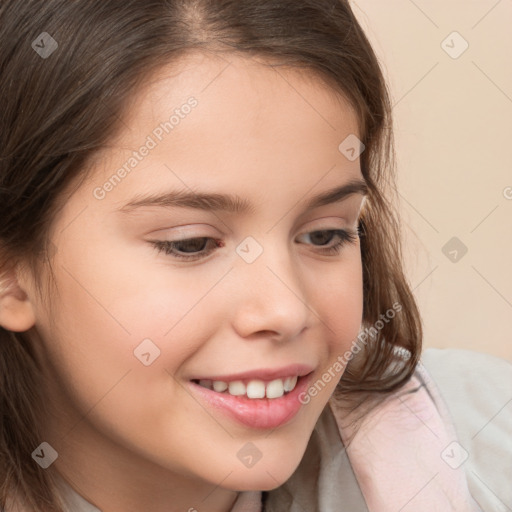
(477, 390)
(446, 363)
(476, 387)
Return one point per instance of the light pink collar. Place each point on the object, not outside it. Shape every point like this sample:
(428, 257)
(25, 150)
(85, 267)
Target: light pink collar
(403, 457)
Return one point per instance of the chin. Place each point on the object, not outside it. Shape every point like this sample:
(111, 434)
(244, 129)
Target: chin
(263, 476)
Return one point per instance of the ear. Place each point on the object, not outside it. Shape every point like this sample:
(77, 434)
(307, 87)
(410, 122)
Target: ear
(16, 310)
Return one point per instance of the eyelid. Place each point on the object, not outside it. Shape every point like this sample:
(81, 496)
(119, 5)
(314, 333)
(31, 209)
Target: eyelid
(190, 231)
(186, 231)
(330, 222)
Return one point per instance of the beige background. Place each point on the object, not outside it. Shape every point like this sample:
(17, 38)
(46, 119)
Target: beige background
(453, 125)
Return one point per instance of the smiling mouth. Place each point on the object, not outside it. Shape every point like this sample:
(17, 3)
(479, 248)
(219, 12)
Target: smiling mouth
(253, 388)
(260, 399)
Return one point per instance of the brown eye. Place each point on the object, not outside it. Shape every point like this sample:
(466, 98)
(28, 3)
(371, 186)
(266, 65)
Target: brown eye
(191, 245)
(188, 248)
(321, 238)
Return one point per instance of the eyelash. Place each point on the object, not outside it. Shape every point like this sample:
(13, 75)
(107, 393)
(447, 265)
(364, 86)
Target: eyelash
(168, 247)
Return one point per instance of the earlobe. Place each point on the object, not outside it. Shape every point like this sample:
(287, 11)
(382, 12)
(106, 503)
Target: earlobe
(16, 309)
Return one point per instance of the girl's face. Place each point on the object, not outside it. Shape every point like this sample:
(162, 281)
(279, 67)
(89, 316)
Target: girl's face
(161, 282)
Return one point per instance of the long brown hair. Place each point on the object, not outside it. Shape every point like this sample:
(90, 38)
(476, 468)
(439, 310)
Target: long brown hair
(61, 101)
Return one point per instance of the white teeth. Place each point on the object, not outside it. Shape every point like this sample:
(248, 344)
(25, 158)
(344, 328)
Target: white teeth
(290, 383)
(236, 388)
(256, 389)
(275, 389)
(219, 386)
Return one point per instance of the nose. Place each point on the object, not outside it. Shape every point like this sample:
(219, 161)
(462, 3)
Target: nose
(269, 297)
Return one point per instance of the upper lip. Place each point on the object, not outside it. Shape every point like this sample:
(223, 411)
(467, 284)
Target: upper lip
(262, 373)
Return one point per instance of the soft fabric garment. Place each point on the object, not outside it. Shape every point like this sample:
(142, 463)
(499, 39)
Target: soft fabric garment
(406, 454)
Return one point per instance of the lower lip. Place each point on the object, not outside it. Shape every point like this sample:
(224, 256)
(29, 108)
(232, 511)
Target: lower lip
(260, 413)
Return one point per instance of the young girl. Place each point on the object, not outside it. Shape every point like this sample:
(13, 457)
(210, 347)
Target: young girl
(202, 302)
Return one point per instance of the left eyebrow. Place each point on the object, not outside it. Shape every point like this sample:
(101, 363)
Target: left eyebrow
(234, 203)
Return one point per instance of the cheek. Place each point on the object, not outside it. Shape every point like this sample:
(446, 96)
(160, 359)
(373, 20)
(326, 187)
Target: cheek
(133, 292)
(95, 375)
(106, 306)
(337, 292)
(339, 303)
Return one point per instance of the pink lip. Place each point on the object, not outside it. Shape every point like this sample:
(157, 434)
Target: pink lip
(265, 374)
(261, 413)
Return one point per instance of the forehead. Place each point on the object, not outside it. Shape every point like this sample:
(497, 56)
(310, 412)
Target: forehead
(237, 96)
(248, 121)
